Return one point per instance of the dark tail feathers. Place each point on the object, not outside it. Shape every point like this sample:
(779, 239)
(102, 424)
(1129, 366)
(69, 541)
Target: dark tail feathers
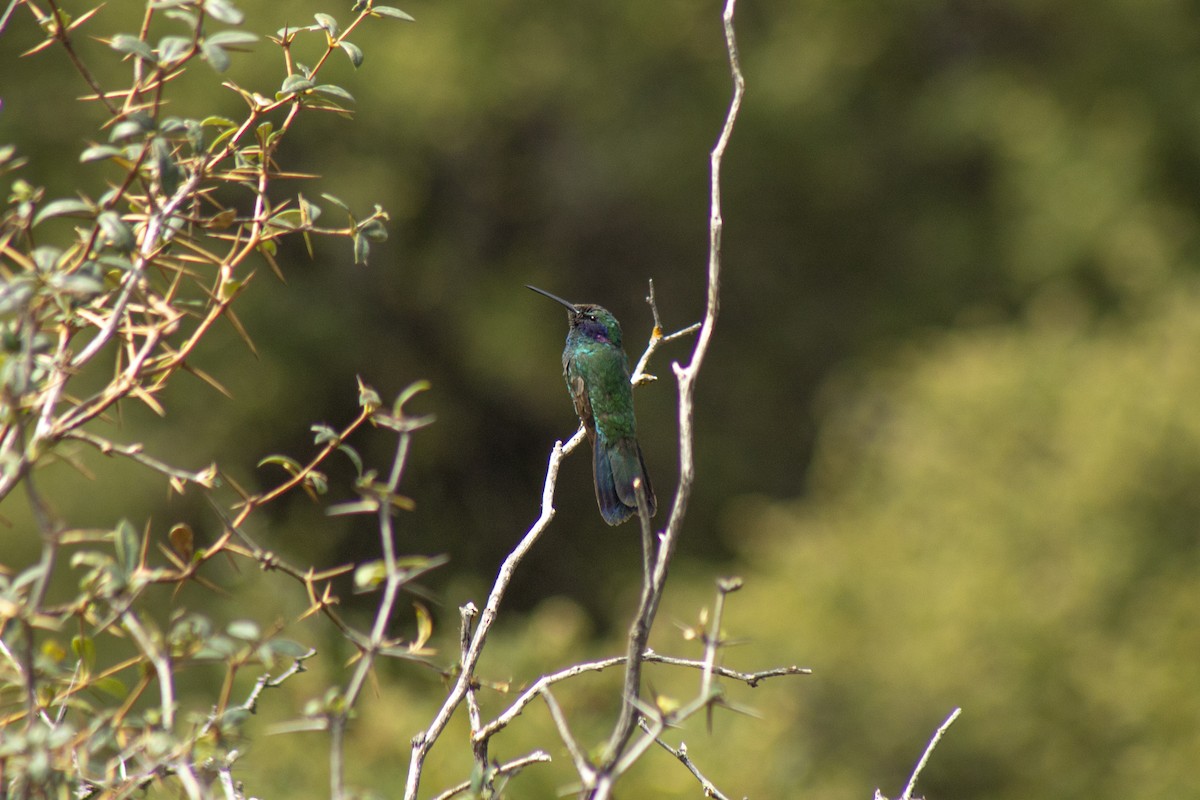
(615, 465)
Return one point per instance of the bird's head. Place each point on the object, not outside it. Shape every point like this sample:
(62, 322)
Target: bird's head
(588, 320)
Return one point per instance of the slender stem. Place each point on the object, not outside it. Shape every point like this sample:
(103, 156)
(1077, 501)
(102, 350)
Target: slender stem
(507, 768)
(424, 741)
(937, 736)
(710, 790)
(686, 377)
(395, 579)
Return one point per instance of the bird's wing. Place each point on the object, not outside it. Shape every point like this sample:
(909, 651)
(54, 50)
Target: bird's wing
(583, 404)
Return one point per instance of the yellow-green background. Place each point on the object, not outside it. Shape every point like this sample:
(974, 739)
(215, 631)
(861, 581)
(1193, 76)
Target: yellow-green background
(949, 431)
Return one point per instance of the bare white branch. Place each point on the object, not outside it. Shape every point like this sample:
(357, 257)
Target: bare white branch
(686, 377)
(505, 769)
(937, 736)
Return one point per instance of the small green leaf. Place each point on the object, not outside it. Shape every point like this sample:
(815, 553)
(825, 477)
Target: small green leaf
(110, 686)
(99, 152)
(217, 122)
(223, 11)
(229, 289)
(401, 502)
(354, 52)
(195, 135)
(318, 482)
(424, 626)
(116, 262)
(289, 464)
(293, 84)
(90, 558)
(289, 220)
(169, 173)
(215, 55)
(324, 435)
(354, 457)
(367, 505)
(362, 249)
(374, 230)
(132, 45)
(14, 295)
(409, 392)
(337, 201)
(394, 13)
(334, 91)
(263, 133)
(328, 23)
(368, 398)
(369, 575)
(182, 15)
(127, 545)
(309, 211)
(46, 257)
(84, 648)
(234, 39)
(288, 648)
(244, 629)
(124, 130)
(173, 48)
(80, 285)
(62, 208)
(118, 235)
(216, 648)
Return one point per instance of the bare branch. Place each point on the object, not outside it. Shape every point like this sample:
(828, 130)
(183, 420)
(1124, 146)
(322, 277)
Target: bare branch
(424, 741)
(527, 696)
(937, 736)
(584, 767)
(710, 790)
(394, 580)
(686, 376)
(657, 339)
(505, 769)
(751, 679)
(134, 452)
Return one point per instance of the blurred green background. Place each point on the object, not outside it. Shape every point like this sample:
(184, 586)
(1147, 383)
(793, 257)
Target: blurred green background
(948, 430)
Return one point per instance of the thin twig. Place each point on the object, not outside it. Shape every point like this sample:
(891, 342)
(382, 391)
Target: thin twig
(713, 642)
(424, 741)
(912, 781)
(395, 579)
(751, 679)
(162, 667)
(479, 746)
(710, 789)
(657, 339)
(134, 452)
(582, 765)
(507, 768)
(686, 377)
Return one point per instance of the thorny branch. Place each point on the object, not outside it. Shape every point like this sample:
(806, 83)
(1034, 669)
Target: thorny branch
(686, 377)
(170, 259)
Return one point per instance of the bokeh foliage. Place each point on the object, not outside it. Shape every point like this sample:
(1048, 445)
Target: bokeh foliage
(960, 240)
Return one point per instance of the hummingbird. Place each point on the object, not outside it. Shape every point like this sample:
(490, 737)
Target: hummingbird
(597, 375)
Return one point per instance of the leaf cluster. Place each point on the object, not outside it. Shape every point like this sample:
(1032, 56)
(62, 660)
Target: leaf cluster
(106, 297)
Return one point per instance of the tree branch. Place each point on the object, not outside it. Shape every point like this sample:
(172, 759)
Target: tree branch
(686, 377)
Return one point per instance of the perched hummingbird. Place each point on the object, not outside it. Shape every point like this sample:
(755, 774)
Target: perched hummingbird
(597, 374)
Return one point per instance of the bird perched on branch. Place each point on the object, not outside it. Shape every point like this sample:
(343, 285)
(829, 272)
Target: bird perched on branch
(597, 375)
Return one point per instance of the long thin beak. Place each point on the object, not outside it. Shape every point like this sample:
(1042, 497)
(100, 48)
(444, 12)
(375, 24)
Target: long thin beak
(553, 297)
